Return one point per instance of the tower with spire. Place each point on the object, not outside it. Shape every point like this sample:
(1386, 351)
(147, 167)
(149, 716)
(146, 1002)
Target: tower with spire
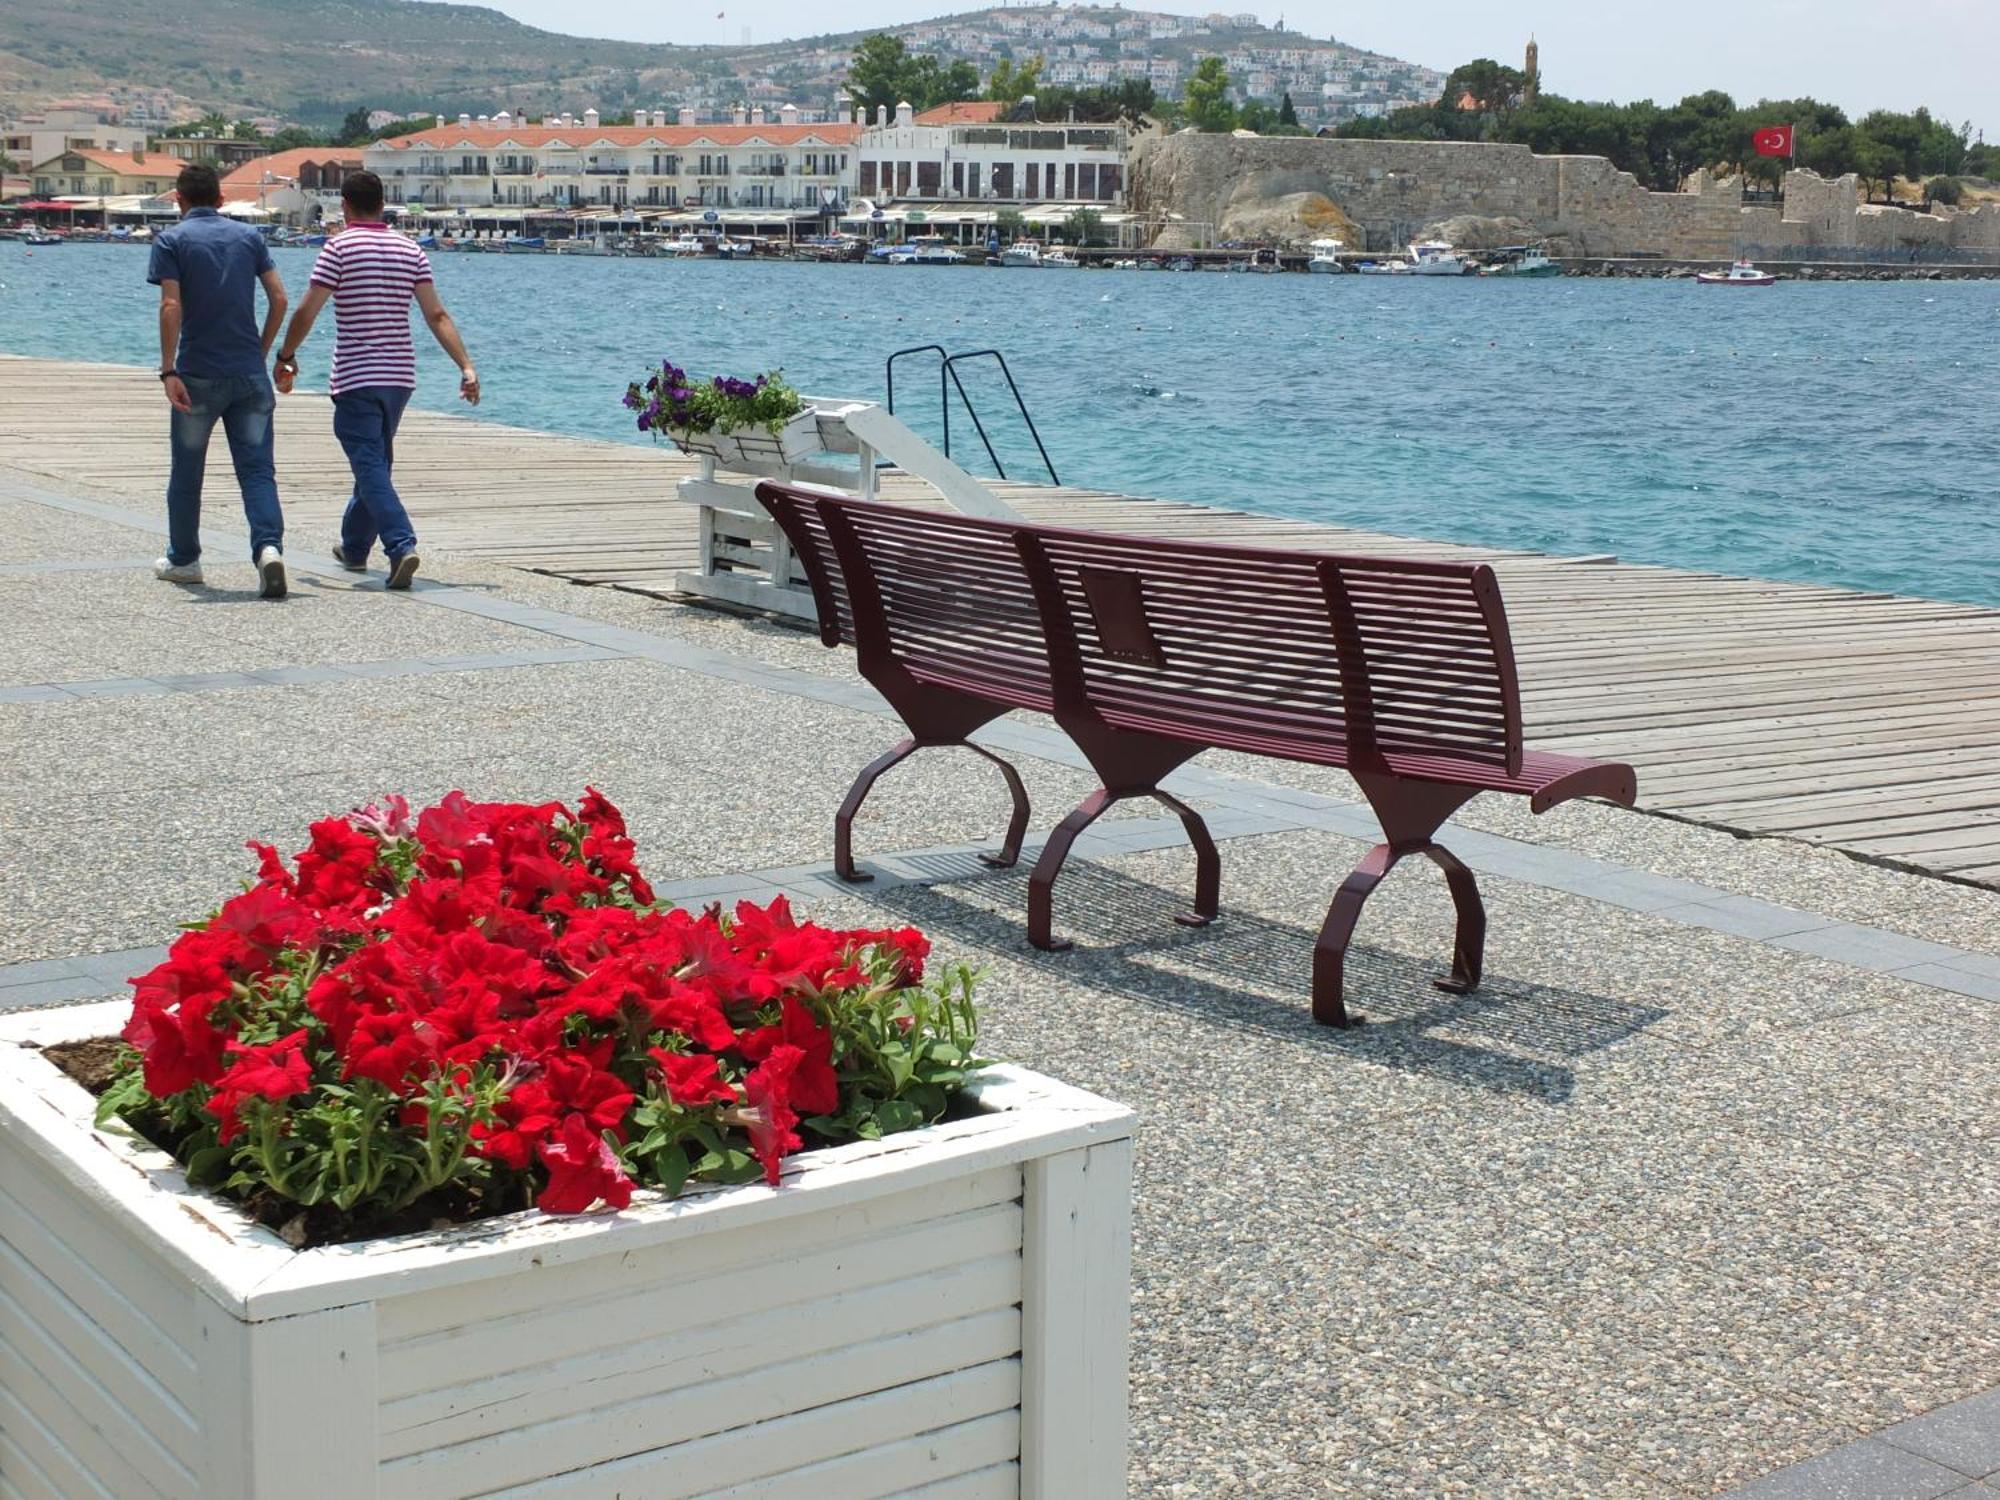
(1532, 72)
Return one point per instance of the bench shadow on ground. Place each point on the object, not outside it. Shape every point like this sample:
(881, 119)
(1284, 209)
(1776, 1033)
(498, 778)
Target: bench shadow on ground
(1249, 973)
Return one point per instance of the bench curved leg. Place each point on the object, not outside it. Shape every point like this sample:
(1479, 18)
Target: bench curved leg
(1468, 953)
(1207, 863)
(1330, 952)
(843, 821)
(1042, 883)
(1017, 822)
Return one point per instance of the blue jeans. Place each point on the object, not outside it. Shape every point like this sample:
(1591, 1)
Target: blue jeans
(242, 403)
(365, 422)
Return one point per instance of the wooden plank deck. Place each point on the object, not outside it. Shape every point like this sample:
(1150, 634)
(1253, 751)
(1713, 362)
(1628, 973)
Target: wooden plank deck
(1868, 722)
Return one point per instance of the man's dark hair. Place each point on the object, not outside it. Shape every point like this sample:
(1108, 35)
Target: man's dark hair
(199, 187)
(362, 193)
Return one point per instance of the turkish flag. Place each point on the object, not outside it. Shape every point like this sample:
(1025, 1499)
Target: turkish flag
(1773, 140)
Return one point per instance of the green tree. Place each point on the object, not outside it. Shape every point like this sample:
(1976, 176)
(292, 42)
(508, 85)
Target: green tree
(1878, 162)
(1084, 226)
(1492, 87)
(1982, 160)
(354, 127)
(1286, 114)
(1205, 99)
(1009, 84)
(1009, 222)
(1945, 190)
(885, 74)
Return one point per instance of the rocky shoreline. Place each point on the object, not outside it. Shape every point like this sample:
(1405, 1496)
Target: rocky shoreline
(1661, 270)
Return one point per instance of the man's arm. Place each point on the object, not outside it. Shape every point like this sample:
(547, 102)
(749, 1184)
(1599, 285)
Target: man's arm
(170, 346)
(446, 333)
(275, 303)
(302, 324)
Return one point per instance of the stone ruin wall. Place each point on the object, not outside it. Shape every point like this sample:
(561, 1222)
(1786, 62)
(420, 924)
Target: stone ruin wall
(1393, 189)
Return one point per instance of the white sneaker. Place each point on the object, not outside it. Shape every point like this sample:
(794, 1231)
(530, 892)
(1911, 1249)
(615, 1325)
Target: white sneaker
(173, 572)
(270, 573)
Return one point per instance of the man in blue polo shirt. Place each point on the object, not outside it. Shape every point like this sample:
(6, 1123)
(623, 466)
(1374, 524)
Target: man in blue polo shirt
(212, 354)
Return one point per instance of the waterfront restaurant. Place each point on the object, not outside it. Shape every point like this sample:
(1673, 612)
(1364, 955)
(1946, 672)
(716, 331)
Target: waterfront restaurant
(776, 174)
(971, 153)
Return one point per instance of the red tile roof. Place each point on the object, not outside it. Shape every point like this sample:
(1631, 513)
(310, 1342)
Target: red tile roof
(287, 163)
(540, 137)
(966, 112)
(124, 164)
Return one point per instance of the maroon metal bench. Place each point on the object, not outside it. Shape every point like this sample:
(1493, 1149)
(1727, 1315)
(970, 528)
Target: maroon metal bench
(1148, 652)
(967, 647)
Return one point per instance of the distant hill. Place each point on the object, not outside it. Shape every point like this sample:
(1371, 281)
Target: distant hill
(312, 61)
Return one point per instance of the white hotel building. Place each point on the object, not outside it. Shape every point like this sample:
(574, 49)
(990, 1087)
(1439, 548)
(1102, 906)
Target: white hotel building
(752, 171)
(955, 166)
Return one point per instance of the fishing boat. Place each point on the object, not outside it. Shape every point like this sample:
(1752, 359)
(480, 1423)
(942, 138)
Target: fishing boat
(1184, 263)
(682, 246)
(1326, 259)
(1025, 253)
(524, 244)
(1061, 259)
(1741, 274)
(1384, 268)
(41, 237)
(1521, 260)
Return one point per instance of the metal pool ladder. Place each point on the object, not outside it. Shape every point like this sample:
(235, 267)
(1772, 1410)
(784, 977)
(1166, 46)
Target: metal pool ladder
(948, 381)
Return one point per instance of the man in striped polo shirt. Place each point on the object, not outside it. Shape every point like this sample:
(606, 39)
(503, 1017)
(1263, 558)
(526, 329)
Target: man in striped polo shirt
(371, 273)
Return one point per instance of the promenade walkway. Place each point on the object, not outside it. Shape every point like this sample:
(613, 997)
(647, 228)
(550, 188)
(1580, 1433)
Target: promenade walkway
(1868, 723)
(1698, 1192)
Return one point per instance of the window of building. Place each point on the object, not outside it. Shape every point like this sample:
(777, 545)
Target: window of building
(867, 180)
(902, 179)
(1003, 179)
(1034, 180)
(958, 179)
(930, 178)
(1069, 179)
(1086, 180)
(1110, 180)
(972, 179)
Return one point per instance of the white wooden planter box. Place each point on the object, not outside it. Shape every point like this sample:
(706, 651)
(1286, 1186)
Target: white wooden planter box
(941, 1315)
(797, 440)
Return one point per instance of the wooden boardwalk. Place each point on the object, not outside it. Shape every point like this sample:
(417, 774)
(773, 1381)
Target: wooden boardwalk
(1868, 722)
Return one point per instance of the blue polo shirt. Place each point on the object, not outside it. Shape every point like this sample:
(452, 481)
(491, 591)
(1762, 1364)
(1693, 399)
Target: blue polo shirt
(217, 262)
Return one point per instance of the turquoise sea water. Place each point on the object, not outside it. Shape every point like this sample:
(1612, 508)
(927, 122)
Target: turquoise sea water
(1838, 433)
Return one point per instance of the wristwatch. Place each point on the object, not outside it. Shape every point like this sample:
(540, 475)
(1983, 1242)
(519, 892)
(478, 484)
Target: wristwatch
(168, 374)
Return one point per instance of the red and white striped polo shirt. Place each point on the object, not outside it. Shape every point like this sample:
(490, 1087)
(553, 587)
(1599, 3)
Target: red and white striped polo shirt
(373, 272)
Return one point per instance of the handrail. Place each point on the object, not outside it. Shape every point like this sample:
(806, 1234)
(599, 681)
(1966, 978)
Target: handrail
(951, 362)
(948, 380)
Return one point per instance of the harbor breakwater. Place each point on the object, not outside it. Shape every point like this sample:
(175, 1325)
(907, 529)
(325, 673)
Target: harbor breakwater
(1227, 187)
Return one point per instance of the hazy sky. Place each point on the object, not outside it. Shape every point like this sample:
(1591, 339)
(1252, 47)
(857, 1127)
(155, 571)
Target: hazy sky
(1860, 54)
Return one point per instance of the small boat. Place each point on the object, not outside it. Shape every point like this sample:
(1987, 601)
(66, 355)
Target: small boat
(1384, 268)
(926, 250)
(1061, 259)
(1436, 258)
(41, 237)
(1741, 274)
(1263, 260)
(1184, 263)
(1023, 253)
(524, 244)
(682, 246)
(1325, 259)
(1522, 260)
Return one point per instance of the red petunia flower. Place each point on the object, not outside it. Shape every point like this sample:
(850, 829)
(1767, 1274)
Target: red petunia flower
(770, 1116)
(274, 1070)
(693, 1078)
(583, 1169)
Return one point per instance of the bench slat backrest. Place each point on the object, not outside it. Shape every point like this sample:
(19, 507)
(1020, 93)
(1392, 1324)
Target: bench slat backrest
(943, 596)
(797, 514)
(1430, 658)
(1193, 641)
